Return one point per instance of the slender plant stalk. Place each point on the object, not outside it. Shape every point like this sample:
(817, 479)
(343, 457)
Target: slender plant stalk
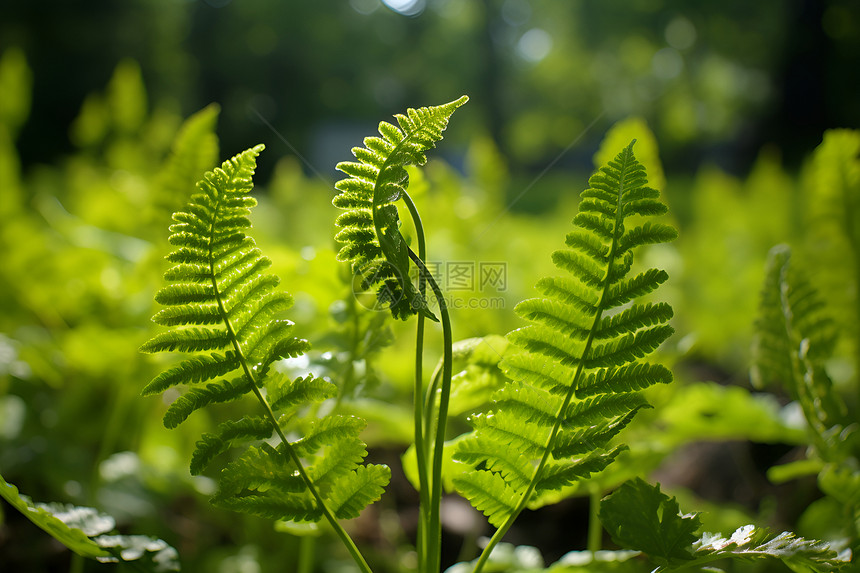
(434, 534)
(418, 392)
(501, 531)
(430, 405)
(76, 564)
(349, 369)
(307, 546)
(288, 449)
(595, 529)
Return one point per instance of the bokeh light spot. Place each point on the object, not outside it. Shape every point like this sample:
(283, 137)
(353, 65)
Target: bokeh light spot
(680, 33)
(406, 7)
(534, 45)
(364, 7)
(667, 63)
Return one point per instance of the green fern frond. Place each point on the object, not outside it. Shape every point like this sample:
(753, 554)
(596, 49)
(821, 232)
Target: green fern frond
(262, 473)
(194, 151)
(557, 475)
(193, 371)
(490, 493)
(577, 372)
(328, 431)
(223, 310)
(188, 340)
(370, 226)
(832, 219)
(793, 337)
(337, 460)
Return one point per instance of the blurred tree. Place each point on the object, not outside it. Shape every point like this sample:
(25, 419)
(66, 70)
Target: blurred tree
(715, 80)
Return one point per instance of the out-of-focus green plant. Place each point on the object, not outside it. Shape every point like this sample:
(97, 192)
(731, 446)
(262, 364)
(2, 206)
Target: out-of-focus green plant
(831, 207)
(76, 292)
(795, 342)
(89, 533)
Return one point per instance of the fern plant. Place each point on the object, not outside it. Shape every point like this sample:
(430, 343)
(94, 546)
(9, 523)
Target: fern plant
(794, 335)
(640, 517)
(380, 259)
(795, 338)
(370, 227)
(576, 379)
(224, 310)
(831, 211)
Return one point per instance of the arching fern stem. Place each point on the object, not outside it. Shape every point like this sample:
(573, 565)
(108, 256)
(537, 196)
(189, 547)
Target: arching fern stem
(434, 534)
(430, 537)
(370, 231)
(418, 393)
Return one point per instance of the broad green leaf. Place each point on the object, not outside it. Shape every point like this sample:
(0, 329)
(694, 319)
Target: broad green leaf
(638, 516)
(71, 526)
(86, 531)
(751, 542)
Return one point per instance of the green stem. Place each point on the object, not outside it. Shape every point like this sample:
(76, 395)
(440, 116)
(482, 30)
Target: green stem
(430, 404)
(595, 529)
(434, 534)
(289, 451)
(349, 368)
(291, 454)
(307, 548)
(418, 392)
(77, 564)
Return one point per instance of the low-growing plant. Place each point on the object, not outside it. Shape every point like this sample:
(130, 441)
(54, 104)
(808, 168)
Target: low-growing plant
(546, 406)
(575, 374)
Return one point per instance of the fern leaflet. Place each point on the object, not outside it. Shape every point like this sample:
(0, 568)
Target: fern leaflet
(370, 227)
(224, 310)
(793, 338)
(194, 151)
(576, 370)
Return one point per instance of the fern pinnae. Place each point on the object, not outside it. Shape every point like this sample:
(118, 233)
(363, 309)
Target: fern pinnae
(222, 307)
(793, 337)
(577, 376)
(212, 445)
(369, 227)
(380, 257)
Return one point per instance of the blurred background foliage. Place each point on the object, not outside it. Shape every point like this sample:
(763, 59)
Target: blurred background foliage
(109, 114)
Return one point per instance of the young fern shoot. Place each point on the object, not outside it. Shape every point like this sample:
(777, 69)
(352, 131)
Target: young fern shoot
(578, 371)
(370, 227)
(380, 258)
(224, 310)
